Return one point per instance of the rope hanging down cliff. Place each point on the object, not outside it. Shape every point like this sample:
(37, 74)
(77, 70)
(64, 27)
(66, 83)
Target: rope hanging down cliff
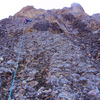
(24, 22)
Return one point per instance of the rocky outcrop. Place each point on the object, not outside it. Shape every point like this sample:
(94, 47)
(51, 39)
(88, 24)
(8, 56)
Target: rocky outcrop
(60, 57)
(75, 7)
(28, 12)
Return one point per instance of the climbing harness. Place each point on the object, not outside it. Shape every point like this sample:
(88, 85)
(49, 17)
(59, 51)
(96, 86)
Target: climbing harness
(17, 63)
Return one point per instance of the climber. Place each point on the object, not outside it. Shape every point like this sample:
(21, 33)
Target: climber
(26, 20)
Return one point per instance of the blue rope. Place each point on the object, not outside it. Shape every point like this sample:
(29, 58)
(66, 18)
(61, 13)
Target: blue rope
(16, 64)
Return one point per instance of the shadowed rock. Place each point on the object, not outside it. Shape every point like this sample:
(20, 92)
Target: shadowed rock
(46, 26)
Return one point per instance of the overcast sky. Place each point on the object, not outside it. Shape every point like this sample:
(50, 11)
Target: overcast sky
(10, 7)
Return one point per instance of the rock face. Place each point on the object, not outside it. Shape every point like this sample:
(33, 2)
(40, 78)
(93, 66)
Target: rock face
(60, 57)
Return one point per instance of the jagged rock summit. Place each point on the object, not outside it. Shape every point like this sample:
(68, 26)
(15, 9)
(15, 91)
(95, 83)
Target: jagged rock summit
(31, 12)
(60, 56)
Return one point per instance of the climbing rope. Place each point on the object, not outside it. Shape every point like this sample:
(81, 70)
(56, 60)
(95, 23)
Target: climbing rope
(17, 63)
